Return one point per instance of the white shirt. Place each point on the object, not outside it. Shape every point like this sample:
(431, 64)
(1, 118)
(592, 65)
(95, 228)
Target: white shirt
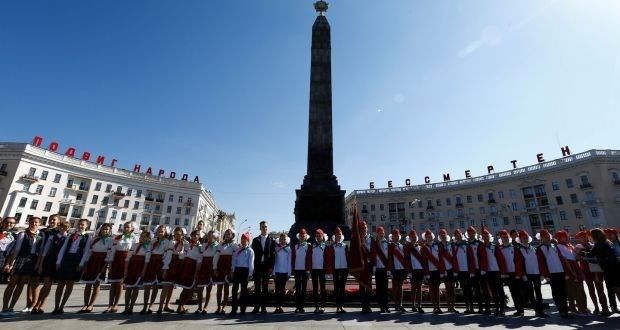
(340, 256)
(318, 256)
(140, 250)
(396, 262)
(20, 240)
(383, 245)
(474, 245)
(554, 264)
(461, 257)
(283, 260)
(300, 256)
(448, 261)
(509, 257)
(73, 246)
(98, 245)
(223, 249)
(491, 260)
(243, 257)
(530, 260)
(415, 263)
(263, 239)
(566, 252)
(435, 252)
(124, 243)
(6, 240)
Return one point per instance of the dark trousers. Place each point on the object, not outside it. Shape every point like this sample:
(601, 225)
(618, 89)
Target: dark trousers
(531, 288)
(240, 280)
(493, 289)
(340, 281)
(366, 292)
(611, 296)
(281, 279)
(465, 283)
(558, 291)
(261, 279)
(514, 285)
(476, 289)
(301, 283)
(318, 280)
(381, 282)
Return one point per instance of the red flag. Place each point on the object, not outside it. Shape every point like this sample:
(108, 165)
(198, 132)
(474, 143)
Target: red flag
(358, 262)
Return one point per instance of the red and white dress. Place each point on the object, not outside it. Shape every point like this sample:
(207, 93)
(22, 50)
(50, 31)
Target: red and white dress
(121, 245)
(157, 262)
(591, 271)
(222, 263)
(100, 250)
(192, 260)
(174, 254)
(137, 258)
(205, 274)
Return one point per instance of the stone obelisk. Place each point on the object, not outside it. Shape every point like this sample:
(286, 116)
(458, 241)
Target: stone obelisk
(320, 201)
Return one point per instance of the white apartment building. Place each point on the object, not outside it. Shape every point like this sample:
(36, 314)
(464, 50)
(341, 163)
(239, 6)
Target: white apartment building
(38, 182)
(580, 191)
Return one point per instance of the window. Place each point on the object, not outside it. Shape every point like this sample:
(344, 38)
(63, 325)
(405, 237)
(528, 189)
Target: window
(515, 206)
(124, 216)
(412, 215)
(187, 210)
(39, 189)
(180, 199)
(169, 209)
(563, 215)
(98, 186)
(119, 189)
(555, 185)
(500, 194)
(178, 210)
(419, 203)
(480, 199)
(494, 222)
(48, 207)
(578, 213)
(91, 212)
(186, 222)
(381, 207)
(136, 205)
(574, 199)
(44, 175)
(482, 210)
(134, 217)
(459, 201)
(177, 221)
(129, 191)
(569, 183)
(448, 201)
(139, 193)
(429, 203)
(95, 199)
(373, 217)
(558, 200)
(421, 215)
(491, 197)
(126, 204)
(114, 212)
(594, 212)
(34, 204)
(57, 178)
(438, 202)
(108, 188)
(105, 200)
(52, 192)
(79, 197)
(372, 207)
(167, 220)
(590, 196)
(471, 211)
(518, 220)
(171, 198)
(32, 171)
(513, 193)
(22, 202)
(584, 180)
(26, 186)
(3, 167)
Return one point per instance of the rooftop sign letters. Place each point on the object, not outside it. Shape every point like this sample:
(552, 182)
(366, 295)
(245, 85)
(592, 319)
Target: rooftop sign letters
(446, 177)
(87, 156)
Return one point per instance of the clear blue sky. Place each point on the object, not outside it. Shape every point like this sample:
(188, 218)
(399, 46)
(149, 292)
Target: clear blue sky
(219, 89)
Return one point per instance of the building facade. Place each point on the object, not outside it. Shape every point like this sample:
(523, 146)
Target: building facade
(39, 182)
(571, 193)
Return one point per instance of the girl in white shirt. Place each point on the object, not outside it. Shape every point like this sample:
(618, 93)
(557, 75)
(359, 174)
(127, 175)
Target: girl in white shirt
(205, 274)
(158, 262)
(222, 268)
(175, 252)
(121, 245)
(135, 265)
(282, 270)
(192, 259)
(94, 269)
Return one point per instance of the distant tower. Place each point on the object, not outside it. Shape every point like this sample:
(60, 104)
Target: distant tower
(320, 202)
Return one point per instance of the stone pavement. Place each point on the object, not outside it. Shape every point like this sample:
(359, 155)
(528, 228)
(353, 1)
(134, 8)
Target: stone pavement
(289, 320)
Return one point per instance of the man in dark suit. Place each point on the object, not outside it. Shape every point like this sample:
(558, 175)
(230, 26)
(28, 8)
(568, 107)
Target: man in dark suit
(264, 256)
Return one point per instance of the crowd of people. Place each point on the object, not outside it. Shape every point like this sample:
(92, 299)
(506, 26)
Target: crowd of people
(157, 262)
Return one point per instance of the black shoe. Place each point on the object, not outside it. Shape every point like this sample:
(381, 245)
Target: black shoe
(242, 312)
(518, 313)
(233, 312)
(420, 310)
(366, 310)
(541, 314)
(317, 310)
(400, 309)
(255, 310)
(263, 310)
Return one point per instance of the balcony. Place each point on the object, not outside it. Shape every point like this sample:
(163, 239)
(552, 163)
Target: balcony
(66, 201)
(591, 202)
(491, 201)
(4, 173)
(29, 178)
(459, 205)
(118, 195)
(80, 202)
(190, 204)
(159, 200)
(149, 199)
(430, 207)
(585, 185)
(83, 188)
(63, 214)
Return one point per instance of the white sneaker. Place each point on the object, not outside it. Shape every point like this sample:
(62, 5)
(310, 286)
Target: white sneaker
(26, 310)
